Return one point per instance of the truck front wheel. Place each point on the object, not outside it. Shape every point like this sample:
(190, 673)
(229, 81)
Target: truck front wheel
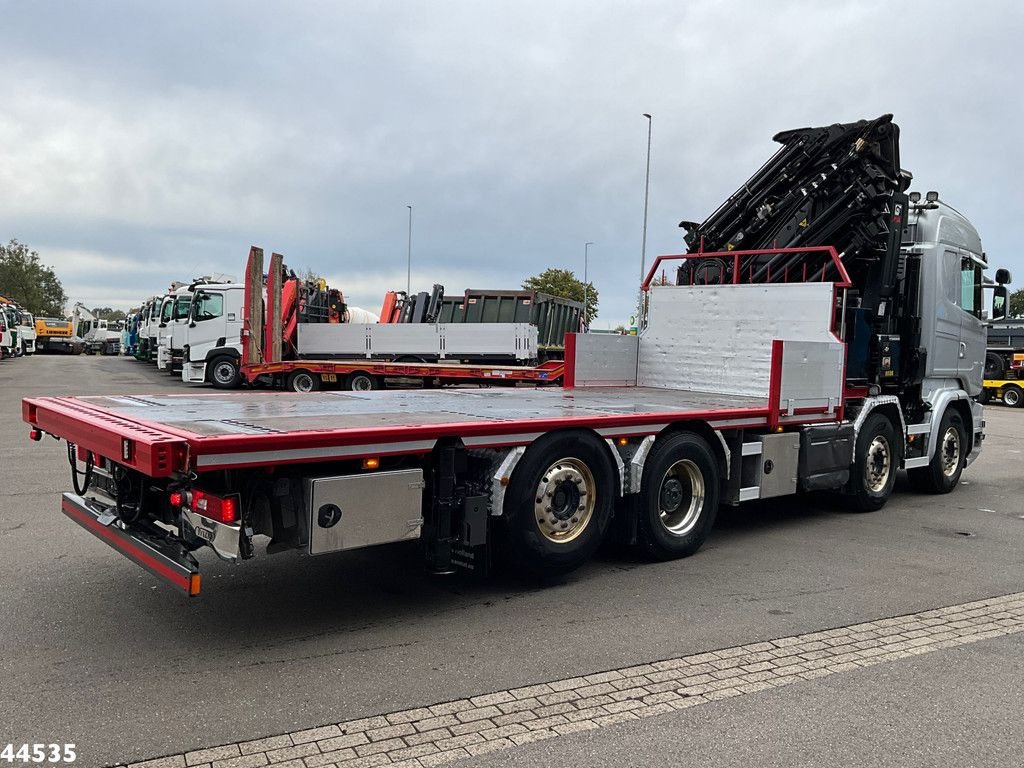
(678, 497)
(943, 472)
(558, 504)
(874, 466)
(224, 373)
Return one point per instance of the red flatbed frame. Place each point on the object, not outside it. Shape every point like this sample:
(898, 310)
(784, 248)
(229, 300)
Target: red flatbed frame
(161, 435)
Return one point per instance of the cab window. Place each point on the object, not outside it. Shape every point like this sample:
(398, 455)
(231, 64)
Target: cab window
(181, 307)
(970, 286)
(207, 306)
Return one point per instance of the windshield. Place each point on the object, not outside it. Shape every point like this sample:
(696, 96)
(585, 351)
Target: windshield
(54, 323)
(207, 306)
(181, 305)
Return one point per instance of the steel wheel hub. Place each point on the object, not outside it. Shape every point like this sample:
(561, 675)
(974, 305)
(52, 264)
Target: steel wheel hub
(565, 500)
(224, 372)
(950, 451)
(878, 464)
(681, 498)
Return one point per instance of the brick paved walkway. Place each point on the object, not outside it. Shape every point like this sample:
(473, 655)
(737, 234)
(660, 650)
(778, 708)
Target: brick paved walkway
(445, 732)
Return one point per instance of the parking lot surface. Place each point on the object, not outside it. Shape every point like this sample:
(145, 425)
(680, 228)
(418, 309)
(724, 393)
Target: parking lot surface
(96, 652)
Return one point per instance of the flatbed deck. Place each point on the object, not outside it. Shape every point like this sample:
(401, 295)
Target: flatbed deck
(171, 433)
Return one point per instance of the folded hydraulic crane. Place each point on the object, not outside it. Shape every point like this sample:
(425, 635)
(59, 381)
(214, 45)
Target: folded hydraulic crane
(842, 186)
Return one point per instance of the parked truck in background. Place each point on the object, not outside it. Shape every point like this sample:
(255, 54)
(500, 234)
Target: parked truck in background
(854, 307)
(6, 338)
(55, 334)
(27, 332)
(211, 336)
(99, 336)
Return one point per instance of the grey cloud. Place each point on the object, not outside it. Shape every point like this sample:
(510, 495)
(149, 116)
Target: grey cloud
(176, 135)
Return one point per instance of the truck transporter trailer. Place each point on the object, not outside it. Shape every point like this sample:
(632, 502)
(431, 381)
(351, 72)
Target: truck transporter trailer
(825, 331)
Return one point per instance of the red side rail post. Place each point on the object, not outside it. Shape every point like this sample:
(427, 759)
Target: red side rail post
(775, 383)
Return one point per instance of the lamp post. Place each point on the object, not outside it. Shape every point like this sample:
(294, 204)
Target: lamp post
(408, 274)
(586, 285)
(646, 195)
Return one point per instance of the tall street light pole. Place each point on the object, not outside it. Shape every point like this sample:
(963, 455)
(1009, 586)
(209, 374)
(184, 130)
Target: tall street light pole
(586, 285)
(647, 190)
(408, 274)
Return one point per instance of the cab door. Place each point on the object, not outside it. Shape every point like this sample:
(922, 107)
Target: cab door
(973, 337)
(944, 354)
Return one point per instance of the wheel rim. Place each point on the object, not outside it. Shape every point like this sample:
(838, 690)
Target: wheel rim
(950, 451)
(1011, 396)
(565, 500)
(878, 465)
(681, 497)
(224, 373)
(362, 384)
(303, 382)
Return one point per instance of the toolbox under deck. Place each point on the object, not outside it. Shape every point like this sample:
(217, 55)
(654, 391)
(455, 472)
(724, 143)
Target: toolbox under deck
(248, 428)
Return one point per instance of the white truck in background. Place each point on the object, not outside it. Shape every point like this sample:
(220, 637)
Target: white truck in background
(98, 336)
(27, 332)
(212, 336)
(173, 319)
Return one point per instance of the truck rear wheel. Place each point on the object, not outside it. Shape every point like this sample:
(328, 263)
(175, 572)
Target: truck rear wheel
(558, 504)
(678, 497)
(874, 465)
(943, 472)
(224, 373)
(303, 381)
(360, 381)
(1012, 395)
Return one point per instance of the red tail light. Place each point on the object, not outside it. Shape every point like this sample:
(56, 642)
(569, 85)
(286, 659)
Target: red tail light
(175, 498)
(214, 507)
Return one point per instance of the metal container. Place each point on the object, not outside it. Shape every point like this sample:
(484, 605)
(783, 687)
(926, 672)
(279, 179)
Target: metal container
(552, 315)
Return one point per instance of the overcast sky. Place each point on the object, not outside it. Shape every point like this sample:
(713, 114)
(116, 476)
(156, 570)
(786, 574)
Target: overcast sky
(146, 142)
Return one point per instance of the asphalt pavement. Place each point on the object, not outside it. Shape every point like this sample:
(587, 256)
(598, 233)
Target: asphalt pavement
(94, 651)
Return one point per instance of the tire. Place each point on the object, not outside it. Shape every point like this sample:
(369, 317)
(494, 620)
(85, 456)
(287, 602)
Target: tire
(1012, 395)
(874, 465)
(995, 366)
(572, 476)
(943, 472)
(360, 381)
(984, 397)
(302, 381)
(678, 497)
(224, 373)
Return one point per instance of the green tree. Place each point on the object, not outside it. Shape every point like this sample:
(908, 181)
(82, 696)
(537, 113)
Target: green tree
(564, 283)
(1017, 303)
(26, 280)
(108, 313)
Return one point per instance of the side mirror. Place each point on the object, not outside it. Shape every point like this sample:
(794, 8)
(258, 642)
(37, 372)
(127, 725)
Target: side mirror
(1003, 277)
(1000, 302)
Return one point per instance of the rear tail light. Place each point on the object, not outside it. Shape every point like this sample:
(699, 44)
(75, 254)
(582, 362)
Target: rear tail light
(214, 507)
(175, 498)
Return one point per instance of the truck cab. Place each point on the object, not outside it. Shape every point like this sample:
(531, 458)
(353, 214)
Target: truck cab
(944, 247)
(173, 318)
(6, 339)
(27, 332)
(212, 344)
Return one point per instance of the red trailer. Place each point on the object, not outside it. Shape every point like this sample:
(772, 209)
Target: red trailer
(267, 320)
